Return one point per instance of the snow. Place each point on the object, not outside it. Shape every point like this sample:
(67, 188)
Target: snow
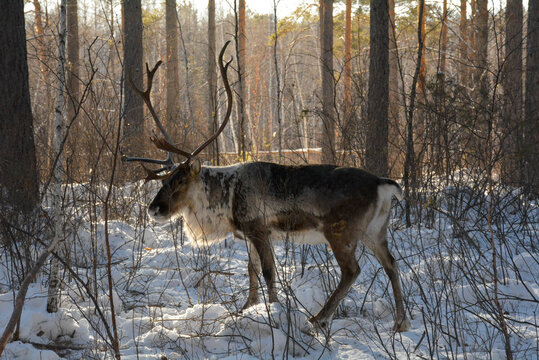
(176, 299)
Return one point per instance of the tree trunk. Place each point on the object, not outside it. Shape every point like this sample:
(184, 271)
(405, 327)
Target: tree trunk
(133, 103)
(419, 125)
(439, 128)
(463, 45)
(73, 83)
(328, 85)
(172, 64)
(40, 33)
(531, 106)
(347, 82)
(212, 83)
(394, 105)
(278, 101)
(53, 298)
(443, 48)
(243, 128)
(410, 165)
(481, 86)
(378, 93)
(512, 93)
(18, 172)
(481, 41)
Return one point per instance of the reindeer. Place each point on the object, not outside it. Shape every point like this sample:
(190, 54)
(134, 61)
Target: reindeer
(263, 202)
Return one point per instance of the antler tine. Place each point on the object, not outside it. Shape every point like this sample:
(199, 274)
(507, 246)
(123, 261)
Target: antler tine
(150, 74)
(147, 100)
(149, 77)
(223, 69)
(153, 174)
(147, 160)
(163, 144)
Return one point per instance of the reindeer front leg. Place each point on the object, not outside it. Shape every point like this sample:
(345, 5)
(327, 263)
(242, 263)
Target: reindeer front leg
(260, 242)
(254, 269)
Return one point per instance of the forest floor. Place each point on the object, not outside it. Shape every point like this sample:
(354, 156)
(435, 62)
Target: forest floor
(176, 300)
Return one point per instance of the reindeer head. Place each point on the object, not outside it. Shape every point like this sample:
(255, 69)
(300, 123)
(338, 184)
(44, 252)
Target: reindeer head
(175, 192)
(177, 179)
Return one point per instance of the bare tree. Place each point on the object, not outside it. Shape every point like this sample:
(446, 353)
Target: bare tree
(53, 298)
(463, 44)
(531, 106)
(394, 104)
(18, 172)
(512, 93)
(328, 83)
(132, 43)
(243, 123)
(481, 81)
(419, 125)
(212, 82)
(73, 82)
(443, 47)
(278, 107)
(347, 77)
(376, 149)
(172, 63)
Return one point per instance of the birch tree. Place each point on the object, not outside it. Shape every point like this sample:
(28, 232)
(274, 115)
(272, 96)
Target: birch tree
(53, 298)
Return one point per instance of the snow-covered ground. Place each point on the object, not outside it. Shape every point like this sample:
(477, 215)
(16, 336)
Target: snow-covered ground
(177, 300)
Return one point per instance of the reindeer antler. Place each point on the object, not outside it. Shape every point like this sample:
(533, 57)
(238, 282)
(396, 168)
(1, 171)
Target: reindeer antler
(165, 143)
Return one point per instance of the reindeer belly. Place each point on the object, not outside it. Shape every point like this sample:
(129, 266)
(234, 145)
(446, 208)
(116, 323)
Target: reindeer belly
(309, 237)
(298, 226)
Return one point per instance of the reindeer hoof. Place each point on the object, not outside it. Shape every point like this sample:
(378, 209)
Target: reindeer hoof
(402, 325)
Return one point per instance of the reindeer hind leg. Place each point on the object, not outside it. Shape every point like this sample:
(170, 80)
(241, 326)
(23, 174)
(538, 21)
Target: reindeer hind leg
(390, 267)
(344, 249)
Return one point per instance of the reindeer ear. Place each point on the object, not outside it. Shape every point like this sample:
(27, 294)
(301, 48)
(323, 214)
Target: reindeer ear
(195, 167)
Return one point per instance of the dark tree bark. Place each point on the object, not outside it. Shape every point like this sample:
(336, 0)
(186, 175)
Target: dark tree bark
(378, 92)
(481, 41)
(133, 103)
(212, 82)
(531, 106)
(443, 48)
(328, 85)
(463, 44)
(512, 93)
(350, 123)
(394, 105)
(347, 76)
(439, 128)
(243, 123)
(172, 63)
(420, 120)
(18, 173)
(483, 121)
(73, 83)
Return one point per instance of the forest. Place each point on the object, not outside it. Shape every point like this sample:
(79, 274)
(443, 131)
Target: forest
(440, 96)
